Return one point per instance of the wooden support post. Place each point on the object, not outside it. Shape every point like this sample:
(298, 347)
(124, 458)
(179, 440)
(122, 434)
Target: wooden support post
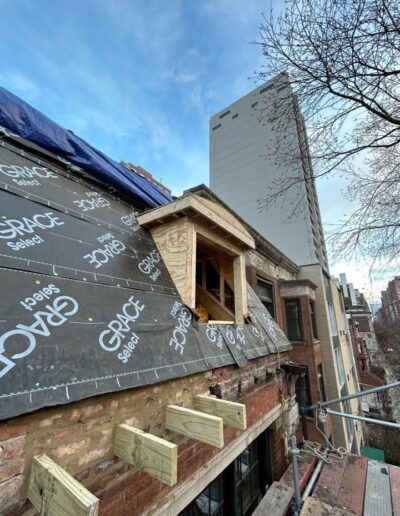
(239, 274)
(197, 425)
(153, 455)
(53, 491)
(233, 414)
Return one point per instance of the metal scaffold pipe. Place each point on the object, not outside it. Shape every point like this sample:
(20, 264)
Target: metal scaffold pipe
(294, 451)
(362, 418)
(351, 396)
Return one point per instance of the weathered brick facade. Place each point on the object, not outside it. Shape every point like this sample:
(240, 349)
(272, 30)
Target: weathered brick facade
(79, 436)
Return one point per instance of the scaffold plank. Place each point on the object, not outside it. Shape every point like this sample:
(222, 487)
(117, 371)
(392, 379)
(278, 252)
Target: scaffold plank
(351, 492)
(378, 499)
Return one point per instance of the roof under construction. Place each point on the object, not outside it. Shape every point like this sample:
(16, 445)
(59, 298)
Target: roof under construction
(89, 305)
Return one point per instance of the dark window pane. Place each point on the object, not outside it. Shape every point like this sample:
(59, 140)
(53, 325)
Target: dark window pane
(265, 292)
(322, 394)
(313, 320)
(293, 317)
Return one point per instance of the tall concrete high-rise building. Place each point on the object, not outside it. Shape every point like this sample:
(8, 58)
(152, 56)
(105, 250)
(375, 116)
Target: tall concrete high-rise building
(243, 169)
(259, 143)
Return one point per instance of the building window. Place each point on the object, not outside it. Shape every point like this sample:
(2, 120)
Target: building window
(313, 320)
(293, 319)
(265, 292)
(332, 320)
(210, 502)
(321, 384)
(303, 390)
(239, 488)
(340, 367)
(247, 484)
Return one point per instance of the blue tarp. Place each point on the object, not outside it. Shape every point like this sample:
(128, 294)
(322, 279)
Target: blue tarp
(27, 122)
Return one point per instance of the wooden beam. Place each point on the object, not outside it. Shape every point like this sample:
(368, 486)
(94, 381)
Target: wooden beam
(216, 240)
(276, 502)
(209, 211)
(53, 491)
(214, 307)
(233, 414)
(239, 280)
(197, 425)
(153, 455)
(191, 252)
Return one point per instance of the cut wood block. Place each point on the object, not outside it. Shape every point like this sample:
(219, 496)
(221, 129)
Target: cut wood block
(197, 425)
(153, 455)
(53, 491)
(233, 414)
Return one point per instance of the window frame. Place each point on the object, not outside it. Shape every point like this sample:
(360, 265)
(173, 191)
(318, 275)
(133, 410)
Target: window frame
(266, 301)
(314, 330)
(299, 319)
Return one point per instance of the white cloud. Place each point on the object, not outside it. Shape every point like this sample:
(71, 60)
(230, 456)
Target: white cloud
(20, 84)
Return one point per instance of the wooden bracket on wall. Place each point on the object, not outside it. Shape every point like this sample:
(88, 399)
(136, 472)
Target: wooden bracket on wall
(197, 425)
(53, 491)
(233, 414)
(153, 455)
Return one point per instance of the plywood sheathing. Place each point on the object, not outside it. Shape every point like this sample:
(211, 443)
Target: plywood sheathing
(204, 209)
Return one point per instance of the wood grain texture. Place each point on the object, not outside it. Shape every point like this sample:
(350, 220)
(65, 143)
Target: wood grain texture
(239, 278)
(330, 480)
(208, 210)
(276, 501)
(394, 473)
(351, 493)
(175, 242)
(233, 414)
(213, 306)
(151, 454)
(197, 425)
(216, 239)
(53, 491)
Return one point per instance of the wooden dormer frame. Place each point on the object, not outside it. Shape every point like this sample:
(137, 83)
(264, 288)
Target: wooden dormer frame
(178, 227)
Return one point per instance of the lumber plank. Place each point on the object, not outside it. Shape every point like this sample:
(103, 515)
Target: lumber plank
(175, 241)
(211, 212)
(151, 454)
(239, 273)
(53, 491)
(330, 480)
(378, 499)
(233, 414)
(313, 507)
(236, 229)
(197, 425)
(214, 307)
(216, 239)
(351, 493)
(190, 287)
(394, 475)
(276, 501)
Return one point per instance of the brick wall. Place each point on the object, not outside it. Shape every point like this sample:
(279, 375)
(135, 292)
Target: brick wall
(79, 436)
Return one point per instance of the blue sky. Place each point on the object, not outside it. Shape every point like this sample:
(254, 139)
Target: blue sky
(139, 79)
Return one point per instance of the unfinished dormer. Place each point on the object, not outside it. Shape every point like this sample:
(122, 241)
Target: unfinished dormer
(203, 246)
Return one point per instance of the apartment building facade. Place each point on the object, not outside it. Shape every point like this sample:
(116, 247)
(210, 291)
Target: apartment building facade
(240, 171)
(243, 148)
(391, 301)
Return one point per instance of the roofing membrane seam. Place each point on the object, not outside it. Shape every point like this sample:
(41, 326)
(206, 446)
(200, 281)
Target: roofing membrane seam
(88, 304)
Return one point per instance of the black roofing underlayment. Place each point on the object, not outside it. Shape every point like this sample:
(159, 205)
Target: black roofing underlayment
(87, 304)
